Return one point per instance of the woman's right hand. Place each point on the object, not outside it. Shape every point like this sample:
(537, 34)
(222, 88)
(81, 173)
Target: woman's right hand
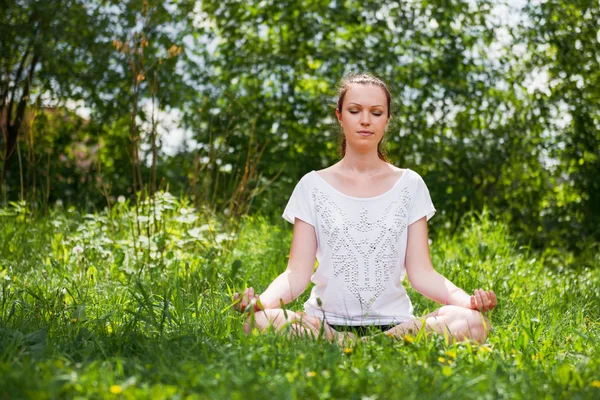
(241, 302)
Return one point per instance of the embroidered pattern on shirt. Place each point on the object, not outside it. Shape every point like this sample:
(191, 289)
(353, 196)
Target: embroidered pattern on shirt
(365, 265)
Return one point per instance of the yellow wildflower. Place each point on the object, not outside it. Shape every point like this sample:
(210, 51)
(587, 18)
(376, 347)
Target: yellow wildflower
(441, 359)
(596, 383)
(311, 374)
(451, 353)
(116, 389)
(408, 339)
(348, 350)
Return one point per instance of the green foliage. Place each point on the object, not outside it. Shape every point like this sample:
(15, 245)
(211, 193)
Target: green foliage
(563, 40)
(139, 305)
(260, 77)
(115, 57)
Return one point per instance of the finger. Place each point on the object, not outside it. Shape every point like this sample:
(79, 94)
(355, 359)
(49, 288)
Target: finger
(479, 300)
(250, 293)
(238, 302)
(244, 303)
(493, 298)
(473, 303)
(485, 299)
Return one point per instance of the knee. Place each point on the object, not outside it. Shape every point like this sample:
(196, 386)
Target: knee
(480, 326)
(271, 317)
(477, 326)
(255, 320)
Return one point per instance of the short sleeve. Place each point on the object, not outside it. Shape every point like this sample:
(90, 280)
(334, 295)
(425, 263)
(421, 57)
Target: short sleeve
(421, 204)
(299, 205)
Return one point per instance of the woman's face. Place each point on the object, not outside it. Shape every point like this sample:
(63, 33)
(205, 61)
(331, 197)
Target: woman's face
(364, 116)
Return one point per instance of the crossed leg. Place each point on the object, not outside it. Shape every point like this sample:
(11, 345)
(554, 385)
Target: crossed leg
(299, 323)
(455, 323)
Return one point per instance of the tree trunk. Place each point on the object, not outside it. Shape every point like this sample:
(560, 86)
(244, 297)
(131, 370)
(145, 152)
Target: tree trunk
(13, 127)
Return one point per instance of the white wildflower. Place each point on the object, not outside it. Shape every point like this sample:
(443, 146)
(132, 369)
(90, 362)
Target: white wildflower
(205, 227)
(224, 236)
(77, 249)
(121, 199)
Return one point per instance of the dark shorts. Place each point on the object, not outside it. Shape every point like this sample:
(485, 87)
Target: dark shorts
(362, 330)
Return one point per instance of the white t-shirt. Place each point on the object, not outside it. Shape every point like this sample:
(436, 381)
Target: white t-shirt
(361, 248)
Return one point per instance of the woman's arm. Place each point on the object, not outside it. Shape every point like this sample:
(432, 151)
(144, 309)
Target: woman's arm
(421, 274)
(295, 279)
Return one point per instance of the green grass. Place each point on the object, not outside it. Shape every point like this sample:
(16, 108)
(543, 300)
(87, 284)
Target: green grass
(140, 316)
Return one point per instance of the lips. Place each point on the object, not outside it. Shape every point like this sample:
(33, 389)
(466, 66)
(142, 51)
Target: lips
(365, 133)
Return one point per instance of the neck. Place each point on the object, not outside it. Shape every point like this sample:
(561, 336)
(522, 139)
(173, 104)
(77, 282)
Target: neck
(362, 163)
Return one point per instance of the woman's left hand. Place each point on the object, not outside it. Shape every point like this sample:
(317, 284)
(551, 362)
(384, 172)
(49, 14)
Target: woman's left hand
(483, 301)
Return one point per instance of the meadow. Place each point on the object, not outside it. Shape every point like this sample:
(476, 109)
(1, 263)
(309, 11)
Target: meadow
(136, 303)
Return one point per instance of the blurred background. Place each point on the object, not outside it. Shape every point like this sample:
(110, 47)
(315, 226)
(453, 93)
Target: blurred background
(495, 103)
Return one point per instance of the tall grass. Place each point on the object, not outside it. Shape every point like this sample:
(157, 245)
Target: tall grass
(92, 306)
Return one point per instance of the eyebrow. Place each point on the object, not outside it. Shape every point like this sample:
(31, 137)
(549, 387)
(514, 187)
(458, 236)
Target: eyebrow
(360, 105)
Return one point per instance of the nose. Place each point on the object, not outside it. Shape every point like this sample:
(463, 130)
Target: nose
(365, 119)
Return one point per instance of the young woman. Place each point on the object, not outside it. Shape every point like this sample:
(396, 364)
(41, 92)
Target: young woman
(366, 223)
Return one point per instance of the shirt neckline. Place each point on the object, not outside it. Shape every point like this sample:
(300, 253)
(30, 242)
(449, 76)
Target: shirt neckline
(407, 170)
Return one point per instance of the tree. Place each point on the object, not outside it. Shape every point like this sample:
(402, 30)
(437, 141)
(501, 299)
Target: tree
(563, 42)
(55, 58)
(46, 56)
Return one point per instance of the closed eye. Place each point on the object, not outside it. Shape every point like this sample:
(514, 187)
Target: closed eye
(376, 114)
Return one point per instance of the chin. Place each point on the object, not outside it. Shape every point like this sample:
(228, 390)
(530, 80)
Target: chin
(363, 147)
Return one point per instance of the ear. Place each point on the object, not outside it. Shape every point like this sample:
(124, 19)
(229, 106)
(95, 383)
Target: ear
(338, 115)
